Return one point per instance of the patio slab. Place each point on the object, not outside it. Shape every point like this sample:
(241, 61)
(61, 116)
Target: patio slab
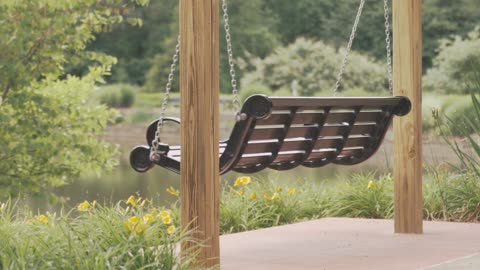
(343, 243)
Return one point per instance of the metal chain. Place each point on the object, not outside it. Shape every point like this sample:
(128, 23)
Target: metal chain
(231, 63)
(389, 51)
(349, 47)
(154, 155)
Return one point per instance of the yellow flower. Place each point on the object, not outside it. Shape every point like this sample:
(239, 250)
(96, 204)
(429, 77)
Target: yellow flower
(132, 201)
(253, 196)
(84, 206)
(42, 219)
(167, 220)
(171, 229)
(275, 196)
(147, 218)
(241, 192)
(134, 220)
(291, 191)
(279, 189)
(134, 225)
(164, 214)
(242, 180)
(371, 184)
(173, 191)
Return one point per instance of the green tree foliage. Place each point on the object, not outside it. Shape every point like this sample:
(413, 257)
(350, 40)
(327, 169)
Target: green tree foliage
(314, 65)
(454, 65)
(48, 130)
(259, 26)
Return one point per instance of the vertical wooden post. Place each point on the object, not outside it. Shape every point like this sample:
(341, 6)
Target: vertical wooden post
(407, 69)
(199, 84)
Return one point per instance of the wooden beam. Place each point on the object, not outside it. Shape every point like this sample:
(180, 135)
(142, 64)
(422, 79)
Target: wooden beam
(407, 69)
(199, 84)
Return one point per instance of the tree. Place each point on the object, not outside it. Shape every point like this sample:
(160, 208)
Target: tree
(455, 64)
(314, 65)
(49, 131)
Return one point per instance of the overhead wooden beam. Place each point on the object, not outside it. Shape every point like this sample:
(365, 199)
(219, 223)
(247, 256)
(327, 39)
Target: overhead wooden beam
(199, 84)
(407, 71)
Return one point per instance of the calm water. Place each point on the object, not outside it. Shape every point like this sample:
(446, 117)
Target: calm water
(123, 182)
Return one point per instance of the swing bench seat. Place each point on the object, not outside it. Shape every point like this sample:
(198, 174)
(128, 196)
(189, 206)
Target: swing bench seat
(282, 133)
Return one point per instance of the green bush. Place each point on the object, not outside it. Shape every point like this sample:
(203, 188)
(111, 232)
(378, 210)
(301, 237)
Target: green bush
(314, 65)
(365, 196)
(454, 65)
(117, 95)
(254, 89)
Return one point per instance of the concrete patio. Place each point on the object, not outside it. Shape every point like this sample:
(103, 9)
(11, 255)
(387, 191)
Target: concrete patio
(341, 243)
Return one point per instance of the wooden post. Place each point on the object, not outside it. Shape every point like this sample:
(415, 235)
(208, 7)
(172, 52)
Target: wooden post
(407, 69)
(199, 84)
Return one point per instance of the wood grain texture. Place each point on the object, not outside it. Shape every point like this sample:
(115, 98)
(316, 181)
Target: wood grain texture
(199, 84)
(407, 69)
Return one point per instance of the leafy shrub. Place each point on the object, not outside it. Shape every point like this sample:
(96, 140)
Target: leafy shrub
(363, 196)
(315, 66)
(117, 95)
(254, 89)
(454, 65)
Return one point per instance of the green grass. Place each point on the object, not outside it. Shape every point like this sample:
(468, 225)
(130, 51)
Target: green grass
(120, 236)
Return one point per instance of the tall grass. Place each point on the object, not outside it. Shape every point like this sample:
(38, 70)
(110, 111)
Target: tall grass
(91, 237)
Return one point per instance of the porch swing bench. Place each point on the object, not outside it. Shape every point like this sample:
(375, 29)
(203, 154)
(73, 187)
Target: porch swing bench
(282, 133)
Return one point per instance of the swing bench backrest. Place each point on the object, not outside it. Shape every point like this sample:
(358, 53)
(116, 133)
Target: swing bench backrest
(282, 133)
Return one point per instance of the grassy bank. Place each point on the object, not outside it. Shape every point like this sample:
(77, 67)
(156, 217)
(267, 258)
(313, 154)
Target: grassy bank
(134, 234)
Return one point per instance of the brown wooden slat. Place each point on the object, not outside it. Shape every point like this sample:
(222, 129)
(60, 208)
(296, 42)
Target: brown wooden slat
(303, 132)
(319, 155)
(328, 143)
(339, 117)
(251, 160)
(350, 152)
(358, 141)
(338, 102)
(333, 130)
(266, 134)
(287, 157)
(363, 129)
(297, 145)
(274, 119)
(373, 116)
(256, 148)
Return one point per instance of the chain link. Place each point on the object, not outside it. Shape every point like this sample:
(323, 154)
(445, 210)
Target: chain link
(349, 47)
(389, 51)
(154, 155)
(231, 63)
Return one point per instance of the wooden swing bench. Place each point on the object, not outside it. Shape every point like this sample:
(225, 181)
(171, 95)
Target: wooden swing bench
(282, 133)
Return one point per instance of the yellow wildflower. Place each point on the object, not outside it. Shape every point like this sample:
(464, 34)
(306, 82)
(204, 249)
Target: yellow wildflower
(173, 191)
(279, 189)
(164, 214)
(134, 225)
(291, 191)
(167, 220)
(241, 192)
(371, 184)
(132, 201)
(275, 196)
(171, 229)
(42, 219)
(147, 218)
(242, 180)
(253, 196)
(84, 206)
(134, 220)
